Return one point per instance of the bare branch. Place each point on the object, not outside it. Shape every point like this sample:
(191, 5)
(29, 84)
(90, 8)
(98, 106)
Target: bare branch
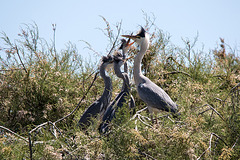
(6, 70)
(25, 139)
(78, 106)
(213, 110)
(20, 59)
(119, 28)
(210, 142)
(175, 72)
(235, 142)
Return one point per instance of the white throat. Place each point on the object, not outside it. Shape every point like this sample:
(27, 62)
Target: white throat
(137, 73)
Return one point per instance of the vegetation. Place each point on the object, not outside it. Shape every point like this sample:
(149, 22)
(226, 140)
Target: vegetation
(39, 86)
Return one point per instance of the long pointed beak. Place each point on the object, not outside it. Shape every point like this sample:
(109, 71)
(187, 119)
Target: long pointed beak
(128, 43)
(130, 36)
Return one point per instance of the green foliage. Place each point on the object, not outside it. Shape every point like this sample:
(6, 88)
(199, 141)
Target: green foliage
(39, 84)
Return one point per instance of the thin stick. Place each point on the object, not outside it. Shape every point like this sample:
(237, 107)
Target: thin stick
(78, 106)
(235, 143)
(30, 145)
(25, 139)
(11, 69)
(209, 148)
(213, 110)
(147, 155)
(175, 72)
(210, 143)
(20, 59)
(230, 92)
(116, 38)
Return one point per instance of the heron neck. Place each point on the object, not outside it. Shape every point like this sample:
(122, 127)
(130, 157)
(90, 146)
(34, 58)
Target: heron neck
(124, 76)
(125, 64)
(137, 72)
(107, 82)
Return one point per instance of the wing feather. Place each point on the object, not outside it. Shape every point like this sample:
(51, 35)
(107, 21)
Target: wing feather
(156, 97)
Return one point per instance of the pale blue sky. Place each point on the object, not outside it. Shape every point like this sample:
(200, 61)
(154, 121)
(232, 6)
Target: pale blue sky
(78, 20)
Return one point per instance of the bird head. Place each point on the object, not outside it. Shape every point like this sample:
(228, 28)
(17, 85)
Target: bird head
(107, 61)
(141, 36)
(118, 58)
(125, 45)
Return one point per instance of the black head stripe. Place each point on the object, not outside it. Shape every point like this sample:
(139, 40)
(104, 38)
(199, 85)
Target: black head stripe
(107, 58)
(123, 43)
(118, 57)
(142, 32)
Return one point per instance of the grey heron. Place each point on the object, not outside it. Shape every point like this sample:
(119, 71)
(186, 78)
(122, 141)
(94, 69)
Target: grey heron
(154, 96)
(124, 95)
(100, 105)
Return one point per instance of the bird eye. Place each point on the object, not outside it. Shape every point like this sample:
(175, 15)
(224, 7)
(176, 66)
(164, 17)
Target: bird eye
(138, 37)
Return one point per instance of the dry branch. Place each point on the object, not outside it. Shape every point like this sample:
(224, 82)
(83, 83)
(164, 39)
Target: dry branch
(78, 106)
(210, 143)
(175, 72)
(213, 109)
(6, 70)
(20, 59)
(235, 142)
(10, 131)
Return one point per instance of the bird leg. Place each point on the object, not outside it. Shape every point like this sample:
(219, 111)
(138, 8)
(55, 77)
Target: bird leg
(154, 118)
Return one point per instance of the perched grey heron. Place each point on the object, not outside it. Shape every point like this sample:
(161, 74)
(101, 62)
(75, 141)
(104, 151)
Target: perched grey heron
(99, 106)
(155, 97)
(124, 95)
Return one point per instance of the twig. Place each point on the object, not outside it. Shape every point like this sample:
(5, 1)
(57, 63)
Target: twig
(20, 59)
(219, 138)
(78, 106)
(210, 143)
(235, 142)
(204, 111)
(213, 110)
(175, 72)
(230, 92)
(53, 123)
(219, 99)
(171, 57)
(141, 118)
(39, 126)
(116, 38)
(11, 69)
(30, 145)
(145, 154)
(25, 139)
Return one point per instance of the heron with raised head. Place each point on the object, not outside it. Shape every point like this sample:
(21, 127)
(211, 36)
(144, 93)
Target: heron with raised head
(124, 95)
(155, 97)
(99, 106)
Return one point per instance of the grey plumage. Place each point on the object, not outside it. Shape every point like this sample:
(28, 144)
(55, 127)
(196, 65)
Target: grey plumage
(100, 105)
(122, 97)
(155, 97)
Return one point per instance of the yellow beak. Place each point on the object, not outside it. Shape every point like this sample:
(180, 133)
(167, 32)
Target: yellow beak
(130, 36)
